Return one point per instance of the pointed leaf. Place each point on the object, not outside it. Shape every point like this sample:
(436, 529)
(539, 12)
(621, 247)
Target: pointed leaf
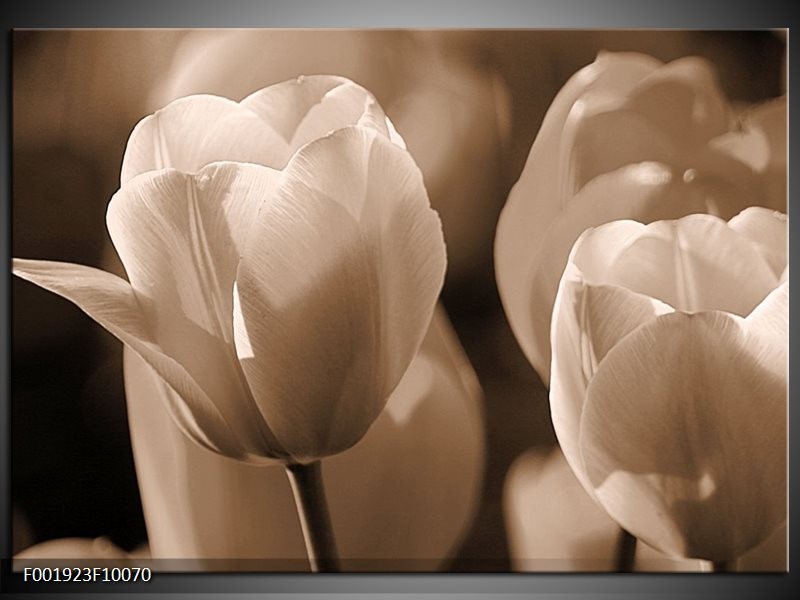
(111, 302)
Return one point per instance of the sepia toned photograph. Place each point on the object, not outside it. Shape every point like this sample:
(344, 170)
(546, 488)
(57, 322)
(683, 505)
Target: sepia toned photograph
(406, 300)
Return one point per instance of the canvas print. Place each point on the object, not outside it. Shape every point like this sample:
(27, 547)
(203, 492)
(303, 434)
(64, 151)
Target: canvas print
(400, 300)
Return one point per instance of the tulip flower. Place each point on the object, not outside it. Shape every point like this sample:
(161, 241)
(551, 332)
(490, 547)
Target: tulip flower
(669, 378)
(282, 307)
(277, 120)
(176, 311)
(270, 275)
(628, 138)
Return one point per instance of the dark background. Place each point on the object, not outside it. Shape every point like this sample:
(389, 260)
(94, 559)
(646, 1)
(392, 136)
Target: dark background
(76, 96)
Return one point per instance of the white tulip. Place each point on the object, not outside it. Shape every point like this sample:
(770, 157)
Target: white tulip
(669, 378)
(282, 307)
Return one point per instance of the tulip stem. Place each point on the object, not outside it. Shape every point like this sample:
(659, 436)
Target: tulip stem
(626, 552)
(312, 508)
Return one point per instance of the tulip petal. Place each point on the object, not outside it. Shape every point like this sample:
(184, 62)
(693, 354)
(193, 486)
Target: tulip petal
(644, 192)
(771, 317)
(309, 107)
(694, 263)
(538, 197)
(597, 249)
(180, 238)
(266, 128)
(684, 435)
(588, 321)
(768, 230)
(111, 302)
(194, 131)
(337, 287)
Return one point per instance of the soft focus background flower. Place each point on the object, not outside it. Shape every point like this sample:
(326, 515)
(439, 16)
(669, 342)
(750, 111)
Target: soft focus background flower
(669, 378)
(628, 137)
(77, 96)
